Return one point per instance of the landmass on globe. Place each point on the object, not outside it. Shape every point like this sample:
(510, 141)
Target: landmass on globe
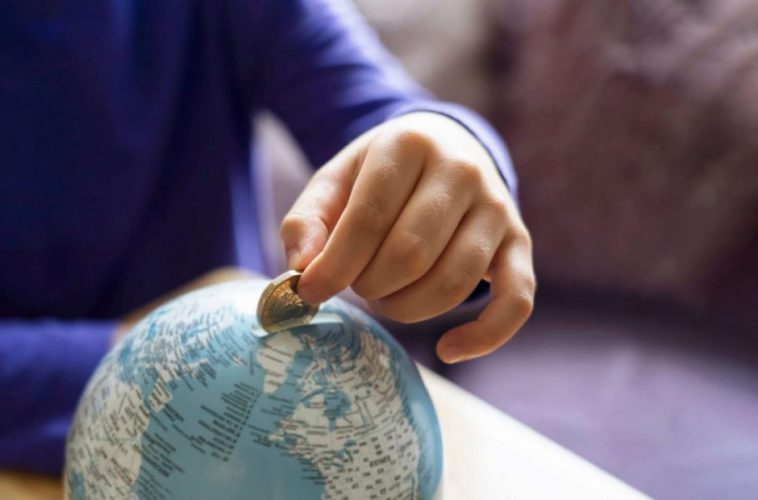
(198, 401)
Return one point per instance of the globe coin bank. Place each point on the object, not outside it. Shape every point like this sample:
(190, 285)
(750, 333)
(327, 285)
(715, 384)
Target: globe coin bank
(199, 402)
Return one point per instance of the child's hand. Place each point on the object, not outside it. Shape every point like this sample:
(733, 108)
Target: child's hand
(412, 215)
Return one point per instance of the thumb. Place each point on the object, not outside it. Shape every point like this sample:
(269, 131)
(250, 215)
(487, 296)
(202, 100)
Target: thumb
(308, 224)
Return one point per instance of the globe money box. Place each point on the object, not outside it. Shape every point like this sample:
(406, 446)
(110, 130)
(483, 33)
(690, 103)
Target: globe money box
(198, 401)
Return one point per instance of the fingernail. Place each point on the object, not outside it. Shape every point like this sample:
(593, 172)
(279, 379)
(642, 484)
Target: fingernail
(293, 258)
(452, 353)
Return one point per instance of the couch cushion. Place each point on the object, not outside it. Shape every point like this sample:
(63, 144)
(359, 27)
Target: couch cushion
(634, 128)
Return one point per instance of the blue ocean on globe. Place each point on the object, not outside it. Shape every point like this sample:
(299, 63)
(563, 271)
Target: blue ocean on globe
(198, 401)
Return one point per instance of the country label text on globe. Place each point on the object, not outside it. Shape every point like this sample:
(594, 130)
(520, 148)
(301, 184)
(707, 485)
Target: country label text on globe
(199, 402)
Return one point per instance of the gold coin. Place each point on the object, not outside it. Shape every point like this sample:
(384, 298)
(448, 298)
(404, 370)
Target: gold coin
(280, 307)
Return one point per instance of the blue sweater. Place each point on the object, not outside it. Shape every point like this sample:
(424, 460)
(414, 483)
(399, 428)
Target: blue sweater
(125, 165)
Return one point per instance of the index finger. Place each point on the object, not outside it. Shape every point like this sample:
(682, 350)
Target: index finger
(512, 289)
(383, 185)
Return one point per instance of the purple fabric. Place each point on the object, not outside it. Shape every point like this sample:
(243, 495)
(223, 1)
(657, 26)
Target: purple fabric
(42, 375)
(125, 149)
(668, 404)
(634, 125)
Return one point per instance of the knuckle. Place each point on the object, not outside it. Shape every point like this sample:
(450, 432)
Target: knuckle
(295, 223)
(408, 140)
(457, 286)
(410, 255)
(523, 304)
(368, 217)
(437, 205)
(530, 285)
(400, 145)
(465, 172)
(520, 235)
(497, 207)
(477, 257)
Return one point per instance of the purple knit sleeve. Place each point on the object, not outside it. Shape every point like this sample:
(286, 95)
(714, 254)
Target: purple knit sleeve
(44, 366)
(329, 79)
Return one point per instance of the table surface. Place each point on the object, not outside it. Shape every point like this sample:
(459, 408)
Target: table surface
(488, 455)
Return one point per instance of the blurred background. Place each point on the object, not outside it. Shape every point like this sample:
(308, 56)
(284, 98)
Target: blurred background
(633, 126)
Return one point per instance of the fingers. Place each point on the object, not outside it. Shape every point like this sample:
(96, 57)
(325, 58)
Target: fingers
(384, 183)
(306, 227)
(454, 276)
(418, 238)
(413, 215)
(512, 288)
